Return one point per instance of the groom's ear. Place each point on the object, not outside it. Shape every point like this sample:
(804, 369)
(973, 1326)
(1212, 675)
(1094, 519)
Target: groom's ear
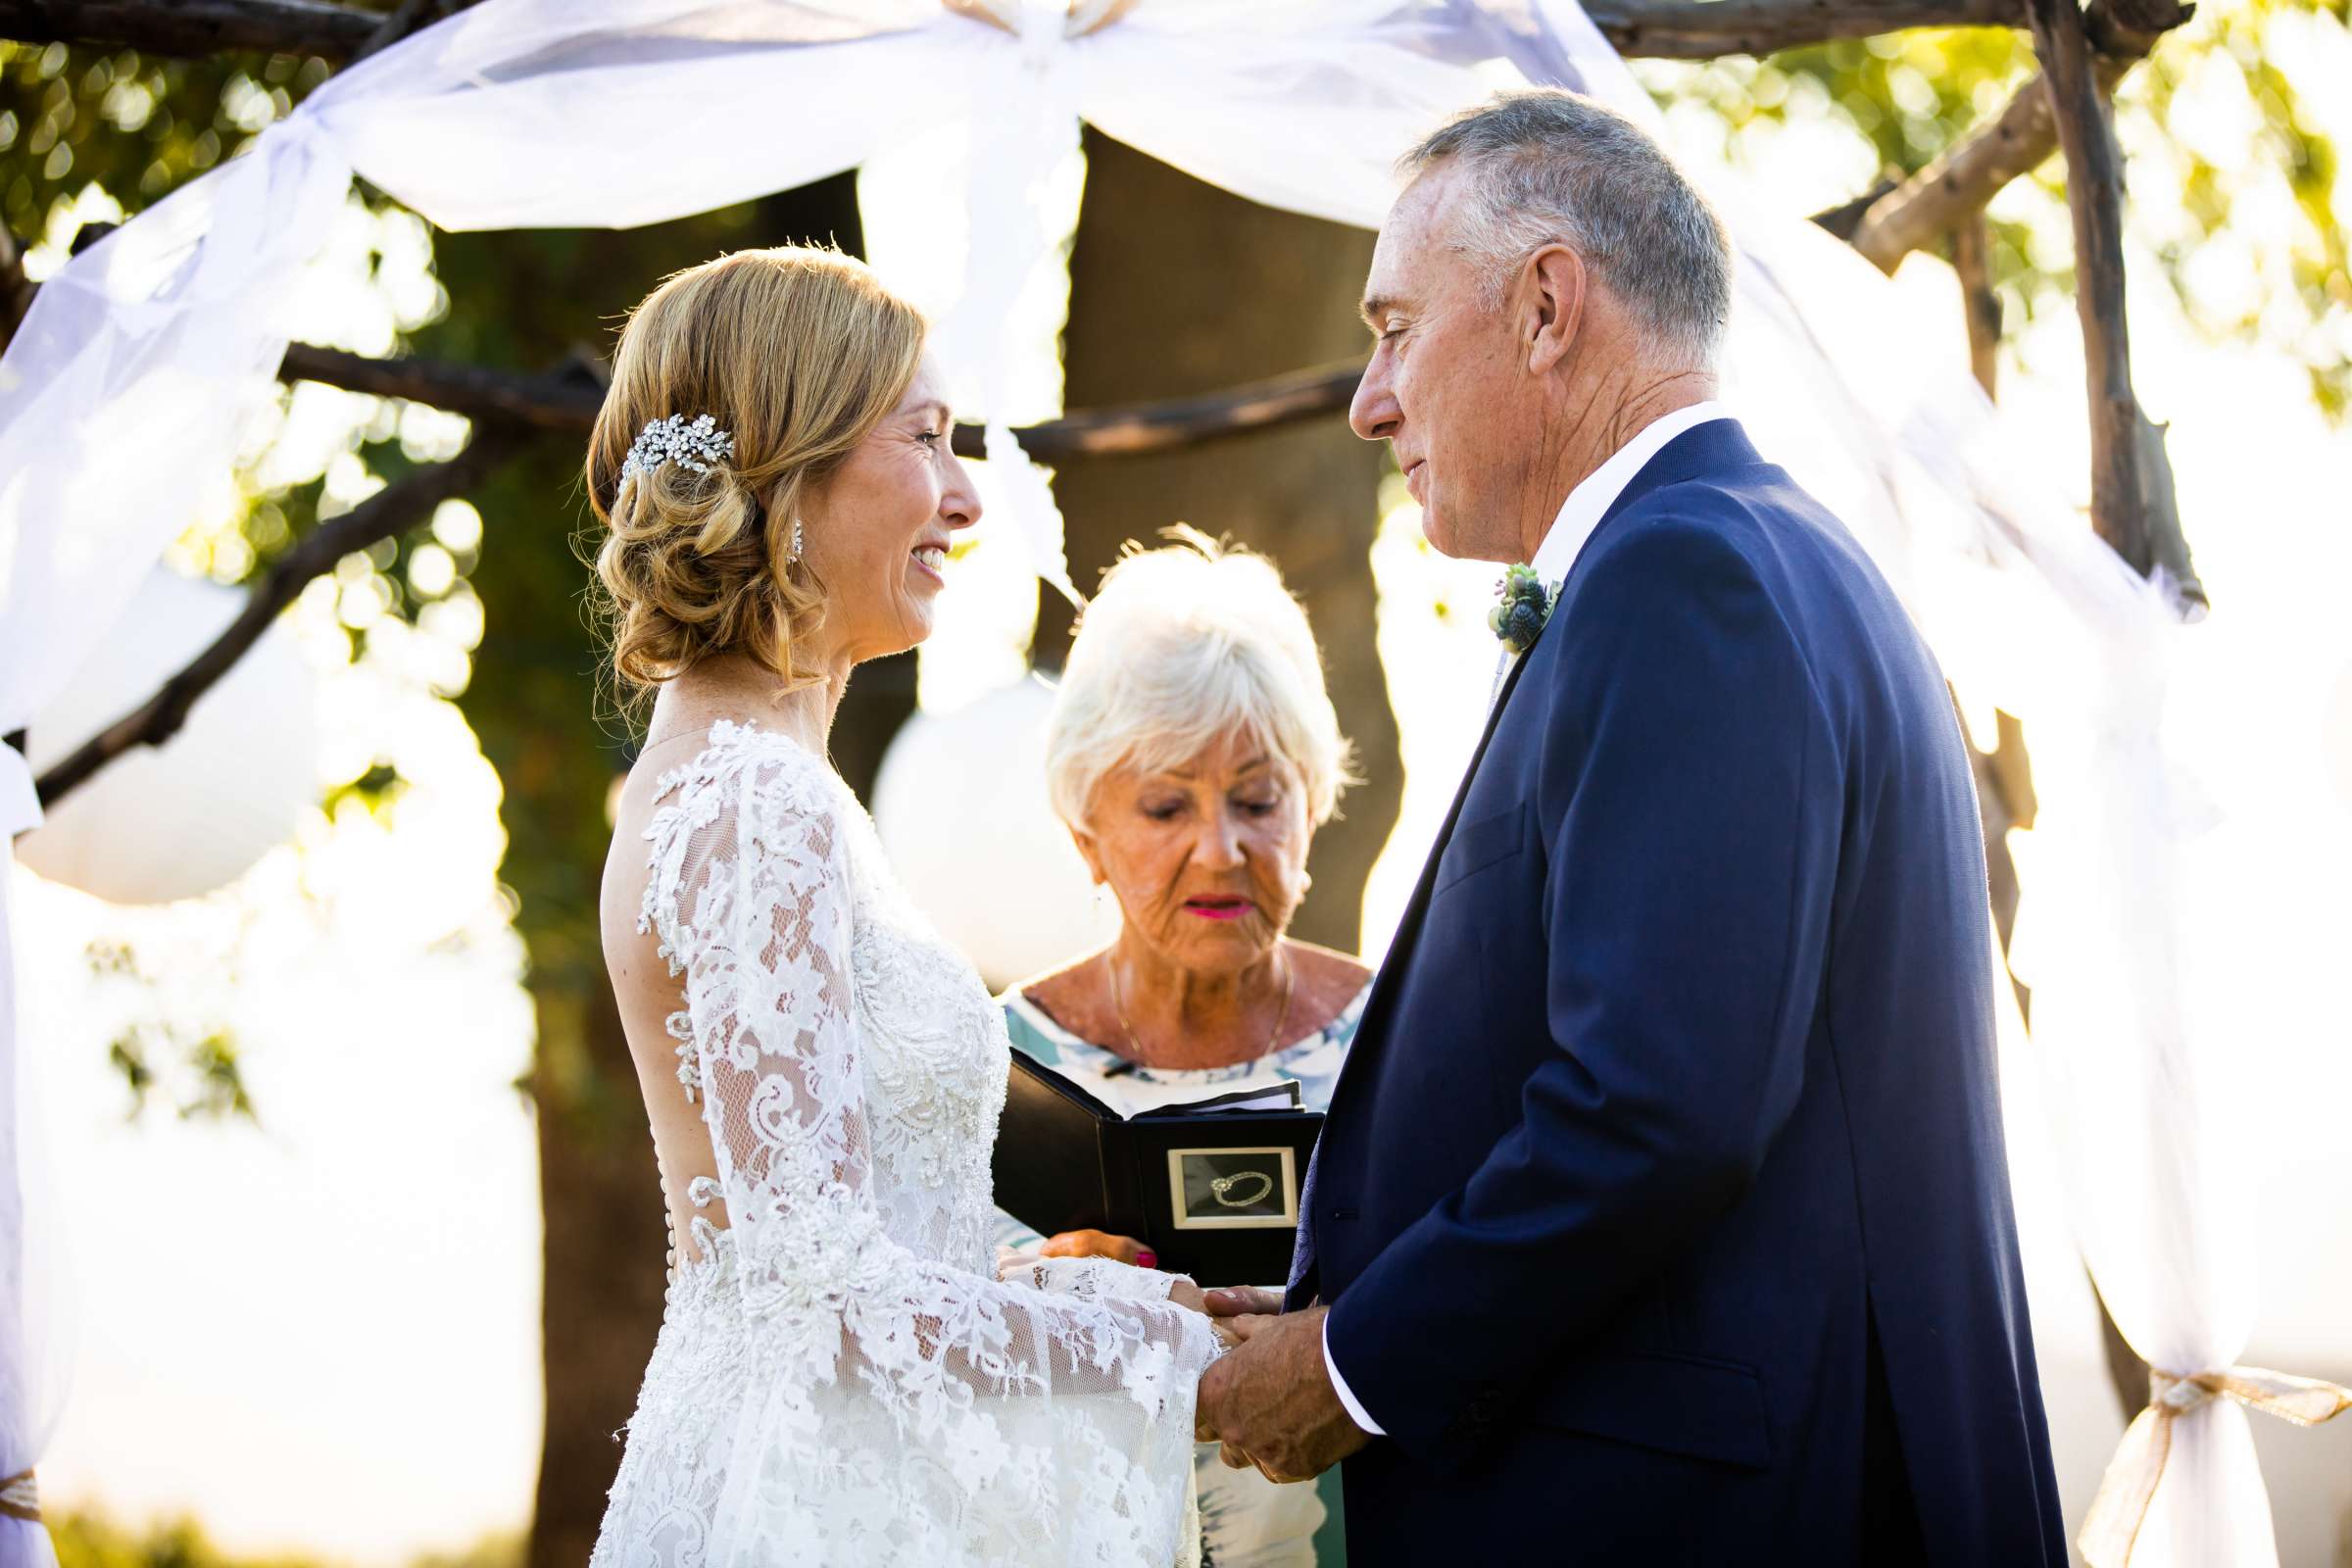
(1556, 284)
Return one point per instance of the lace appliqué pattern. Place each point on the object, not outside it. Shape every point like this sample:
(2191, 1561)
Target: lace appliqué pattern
(840, 1377)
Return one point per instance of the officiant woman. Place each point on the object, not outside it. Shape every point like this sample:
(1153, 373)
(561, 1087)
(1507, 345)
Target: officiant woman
(1193, 752)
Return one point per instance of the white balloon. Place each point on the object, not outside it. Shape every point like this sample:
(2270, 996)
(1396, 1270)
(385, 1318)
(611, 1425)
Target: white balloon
(961, 808)
(169, 823)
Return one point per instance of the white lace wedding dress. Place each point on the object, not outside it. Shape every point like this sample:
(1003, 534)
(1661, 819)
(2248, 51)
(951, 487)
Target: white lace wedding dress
(841, 1379)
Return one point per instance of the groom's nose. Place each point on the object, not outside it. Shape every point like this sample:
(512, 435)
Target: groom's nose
(1373, 412)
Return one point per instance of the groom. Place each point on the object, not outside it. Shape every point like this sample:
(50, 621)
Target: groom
(1661, 1215)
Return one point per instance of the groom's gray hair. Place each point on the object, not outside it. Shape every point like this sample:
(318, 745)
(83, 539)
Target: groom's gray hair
(1550, 166)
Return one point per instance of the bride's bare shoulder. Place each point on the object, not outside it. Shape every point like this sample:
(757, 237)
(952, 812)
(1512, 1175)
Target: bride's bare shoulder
(637, 798)
(628, 867)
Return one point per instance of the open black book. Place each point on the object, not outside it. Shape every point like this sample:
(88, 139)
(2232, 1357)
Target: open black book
(1209, 1185)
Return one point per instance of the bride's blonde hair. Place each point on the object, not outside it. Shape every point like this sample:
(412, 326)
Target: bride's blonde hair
(797, 352)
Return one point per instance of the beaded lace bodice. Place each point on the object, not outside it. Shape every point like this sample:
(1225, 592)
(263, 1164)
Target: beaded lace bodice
(840, 1378)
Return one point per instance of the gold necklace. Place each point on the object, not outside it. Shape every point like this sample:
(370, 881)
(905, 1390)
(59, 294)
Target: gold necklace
(1118, 1005)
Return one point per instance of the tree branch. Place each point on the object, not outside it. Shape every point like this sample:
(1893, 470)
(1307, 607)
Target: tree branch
(392, 510)
(509, 408)
(1701, 29)
(16, 291)
(1845, 219)
(1972, 171)
(1162, 425)
(2123, 507)
(2130, 28)
(564, 400)
(567, 401)
(2132, 502)
(1967, 174)
(1972, 260)
(1679, 30)
(189, 29)
(405, 18)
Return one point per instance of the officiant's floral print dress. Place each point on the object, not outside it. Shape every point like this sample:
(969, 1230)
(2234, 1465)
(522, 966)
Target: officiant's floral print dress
(1246, 1520)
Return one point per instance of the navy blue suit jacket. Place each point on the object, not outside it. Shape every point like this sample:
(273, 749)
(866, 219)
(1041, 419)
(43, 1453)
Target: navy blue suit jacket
(1663, 1208)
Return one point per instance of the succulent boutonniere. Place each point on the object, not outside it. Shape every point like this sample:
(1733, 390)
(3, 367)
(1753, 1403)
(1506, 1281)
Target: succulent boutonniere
(1523, 605)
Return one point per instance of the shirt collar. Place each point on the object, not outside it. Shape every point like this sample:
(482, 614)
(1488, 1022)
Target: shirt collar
(1589, 501)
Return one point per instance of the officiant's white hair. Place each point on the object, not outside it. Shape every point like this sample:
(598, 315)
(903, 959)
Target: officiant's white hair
(1182, 648)
(1550, 166)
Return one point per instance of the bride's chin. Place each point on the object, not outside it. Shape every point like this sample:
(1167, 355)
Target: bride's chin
(916, 627)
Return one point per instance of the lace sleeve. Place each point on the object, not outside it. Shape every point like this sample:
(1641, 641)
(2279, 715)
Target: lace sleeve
(929, 1412)
(1091, 1279)
(1019, 1261)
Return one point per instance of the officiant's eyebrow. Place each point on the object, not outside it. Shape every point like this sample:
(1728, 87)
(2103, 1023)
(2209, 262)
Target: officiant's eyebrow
(1261, 759)
(1375, 308)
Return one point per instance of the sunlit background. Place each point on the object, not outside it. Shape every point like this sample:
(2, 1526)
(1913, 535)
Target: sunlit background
(284, 1119)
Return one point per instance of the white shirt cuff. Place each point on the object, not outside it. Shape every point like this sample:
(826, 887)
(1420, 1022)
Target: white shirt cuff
(1339, 1386)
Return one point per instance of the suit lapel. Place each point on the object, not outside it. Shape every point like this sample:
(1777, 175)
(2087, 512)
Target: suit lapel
(1716, 447)
(1304, 1258)
(1408, 928)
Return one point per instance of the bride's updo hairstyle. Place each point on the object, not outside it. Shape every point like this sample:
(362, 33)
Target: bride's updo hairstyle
(797, 353)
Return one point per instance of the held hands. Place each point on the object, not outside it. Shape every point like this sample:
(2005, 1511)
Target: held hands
(1270, 1403)
(1127, 1250)
(1245, 1300)
(1185, 1293)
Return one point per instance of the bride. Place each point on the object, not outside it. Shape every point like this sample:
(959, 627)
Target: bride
(840, 1378)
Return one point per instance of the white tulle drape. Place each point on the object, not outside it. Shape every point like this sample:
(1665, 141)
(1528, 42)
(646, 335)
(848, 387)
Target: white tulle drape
(122, 395)
(31, 1389)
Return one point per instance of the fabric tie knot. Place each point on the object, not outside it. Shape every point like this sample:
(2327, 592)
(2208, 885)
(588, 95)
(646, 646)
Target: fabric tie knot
(1021, 18)
(2176, 1394)
(20, 1498)
(2112, 1527)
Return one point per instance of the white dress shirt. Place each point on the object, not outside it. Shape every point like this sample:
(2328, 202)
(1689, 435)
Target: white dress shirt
(1578, 515)
(1591, 498)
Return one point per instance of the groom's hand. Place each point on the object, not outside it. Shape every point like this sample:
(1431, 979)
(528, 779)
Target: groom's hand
(1271, 1399)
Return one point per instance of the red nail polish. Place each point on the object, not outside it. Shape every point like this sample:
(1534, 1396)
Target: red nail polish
(1146, 1258)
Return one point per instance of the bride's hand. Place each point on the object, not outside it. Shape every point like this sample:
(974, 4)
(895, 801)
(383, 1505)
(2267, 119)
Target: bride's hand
(1099, 1244)
(1185, 1293)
